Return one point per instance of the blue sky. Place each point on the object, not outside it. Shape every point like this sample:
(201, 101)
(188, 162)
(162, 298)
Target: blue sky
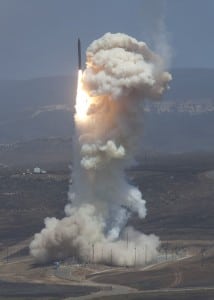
(39, 37)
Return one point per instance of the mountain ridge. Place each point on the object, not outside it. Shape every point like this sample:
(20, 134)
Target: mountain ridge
(43, 108)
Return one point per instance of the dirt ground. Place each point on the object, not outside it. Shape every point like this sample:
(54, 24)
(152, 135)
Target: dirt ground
(180, 211)
(21, 278)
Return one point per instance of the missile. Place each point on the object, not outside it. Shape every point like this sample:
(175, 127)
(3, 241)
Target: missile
(79, 55)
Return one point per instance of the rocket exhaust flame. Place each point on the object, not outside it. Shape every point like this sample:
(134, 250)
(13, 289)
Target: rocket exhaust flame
(82, 100)
(121, 72)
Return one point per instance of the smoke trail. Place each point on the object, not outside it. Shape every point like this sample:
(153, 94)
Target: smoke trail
(121, 72)
(154, 28)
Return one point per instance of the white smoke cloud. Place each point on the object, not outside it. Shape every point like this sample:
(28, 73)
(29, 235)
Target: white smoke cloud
(95, 154)
(119, 65)
(121, 72)
(77, 234)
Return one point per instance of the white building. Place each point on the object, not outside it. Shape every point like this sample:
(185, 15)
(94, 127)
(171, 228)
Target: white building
(36, 170)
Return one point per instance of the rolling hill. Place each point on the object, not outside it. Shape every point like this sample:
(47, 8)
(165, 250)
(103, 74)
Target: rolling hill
(43, 108)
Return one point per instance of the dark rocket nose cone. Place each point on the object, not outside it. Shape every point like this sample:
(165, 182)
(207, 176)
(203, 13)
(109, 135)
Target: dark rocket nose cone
(79, 55)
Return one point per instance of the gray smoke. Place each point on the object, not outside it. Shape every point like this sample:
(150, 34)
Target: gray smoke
(121, 72)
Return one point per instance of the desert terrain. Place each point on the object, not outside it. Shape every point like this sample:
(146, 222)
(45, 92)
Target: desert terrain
(179, 194)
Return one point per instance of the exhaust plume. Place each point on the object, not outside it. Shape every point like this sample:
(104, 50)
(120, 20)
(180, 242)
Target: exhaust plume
(120, 73)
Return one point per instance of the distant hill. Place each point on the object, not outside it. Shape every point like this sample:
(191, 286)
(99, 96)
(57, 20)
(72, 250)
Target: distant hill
(43, 108)
(179, 132)
(45, 153)
(36, 108)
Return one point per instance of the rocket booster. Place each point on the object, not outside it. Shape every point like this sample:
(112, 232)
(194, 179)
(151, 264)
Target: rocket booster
(79, 55)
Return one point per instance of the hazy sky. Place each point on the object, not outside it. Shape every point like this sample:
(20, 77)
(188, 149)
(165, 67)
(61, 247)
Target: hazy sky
(39, 37)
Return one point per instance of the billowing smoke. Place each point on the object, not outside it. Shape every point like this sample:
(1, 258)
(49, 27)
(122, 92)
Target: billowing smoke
(120, 73)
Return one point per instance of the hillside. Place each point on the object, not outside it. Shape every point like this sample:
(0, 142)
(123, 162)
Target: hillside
(43, 108)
